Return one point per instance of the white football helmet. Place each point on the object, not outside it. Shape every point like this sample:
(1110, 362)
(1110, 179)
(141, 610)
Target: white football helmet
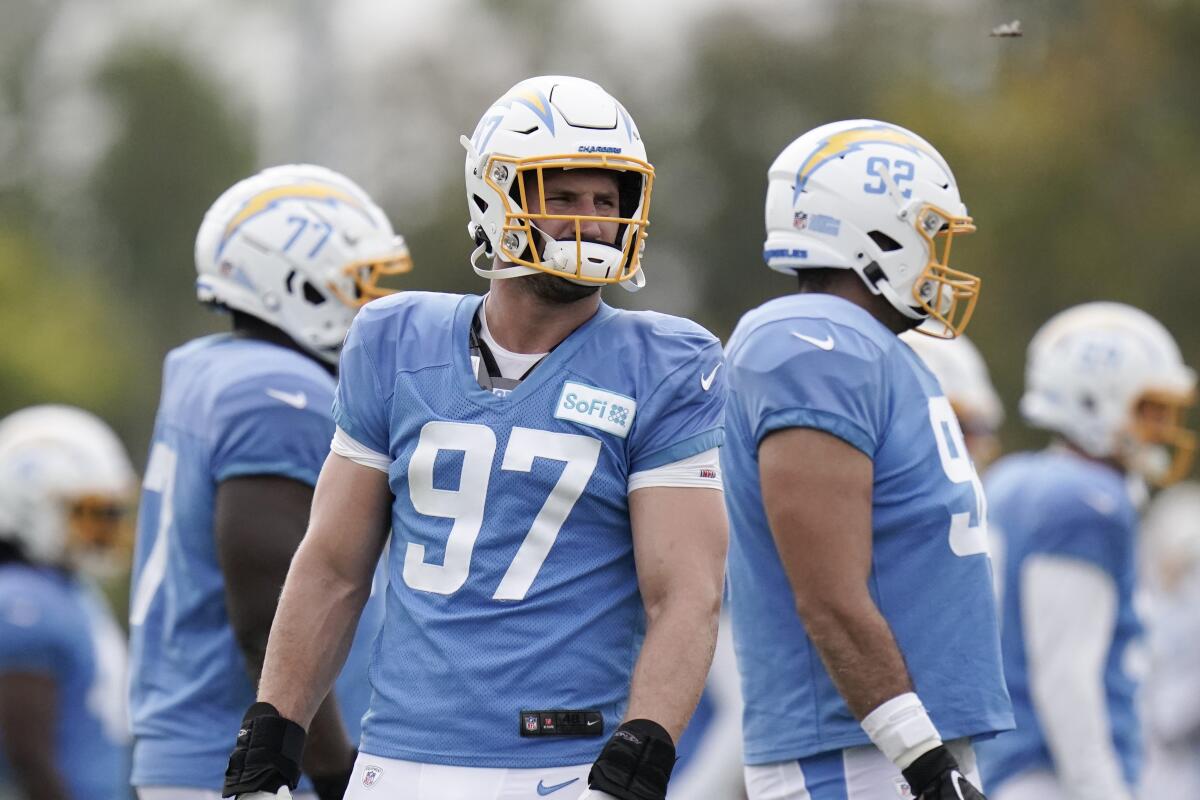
(300, 247)
(1110, 379)
(961, 370)
(552, 123)
(964, 378)
(66, 487)
(880, 200)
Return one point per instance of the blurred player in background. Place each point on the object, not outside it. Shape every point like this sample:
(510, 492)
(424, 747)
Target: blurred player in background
(1109, 383)
(859, 579)
(66, 486)
(963, 376)
(1170, 700)
(550, 468)
(243, 426)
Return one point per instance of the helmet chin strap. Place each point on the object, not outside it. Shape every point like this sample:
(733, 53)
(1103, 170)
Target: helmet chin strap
(558, 260)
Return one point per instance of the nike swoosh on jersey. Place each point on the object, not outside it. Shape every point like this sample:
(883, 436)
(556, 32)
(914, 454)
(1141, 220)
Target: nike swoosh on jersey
(294, 399)
(544, 790)
(823, 344)
(706, 381)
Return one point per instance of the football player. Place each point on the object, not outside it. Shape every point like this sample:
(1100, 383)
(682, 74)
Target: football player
(963, 376)
(1108, 382)
(859, 579)
(243, 426)
(1170, 700)
(549, 467)
(66, 486)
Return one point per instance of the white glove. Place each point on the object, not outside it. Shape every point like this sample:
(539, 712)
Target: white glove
(282, 794)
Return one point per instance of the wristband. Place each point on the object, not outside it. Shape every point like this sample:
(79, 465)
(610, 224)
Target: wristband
(267, 755)
(636, 762)
(902, 730)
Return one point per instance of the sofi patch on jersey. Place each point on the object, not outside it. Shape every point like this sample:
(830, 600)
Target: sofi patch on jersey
(596, 408)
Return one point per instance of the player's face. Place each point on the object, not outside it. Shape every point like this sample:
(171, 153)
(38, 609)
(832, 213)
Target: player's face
(581, 192)
(99, 530)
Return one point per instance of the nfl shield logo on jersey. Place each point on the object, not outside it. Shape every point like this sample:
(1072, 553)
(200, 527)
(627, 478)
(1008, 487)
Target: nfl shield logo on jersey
(371, 775)
(531, 723)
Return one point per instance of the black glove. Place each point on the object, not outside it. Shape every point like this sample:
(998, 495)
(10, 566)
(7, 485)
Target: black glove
(636, 762)
(935, 776)
(267, 754)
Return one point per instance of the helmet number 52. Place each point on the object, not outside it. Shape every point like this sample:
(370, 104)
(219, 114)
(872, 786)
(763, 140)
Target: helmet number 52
(965, 539)
(877, 168)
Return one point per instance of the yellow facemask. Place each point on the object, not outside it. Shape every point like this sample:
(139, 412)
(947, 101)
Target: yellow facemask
(947, 295)
(517, 219)
(1158, 422)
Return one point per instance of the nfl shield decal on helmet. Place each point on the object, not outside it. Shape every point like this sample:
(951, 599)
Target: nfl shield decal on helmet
(371, 775)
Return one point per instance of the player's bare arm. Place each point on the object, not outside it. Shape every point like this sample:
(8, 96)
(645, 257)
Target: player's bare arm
(817, 494)
(326, 587)
(680, 536)
(28, 717)
(259, 523)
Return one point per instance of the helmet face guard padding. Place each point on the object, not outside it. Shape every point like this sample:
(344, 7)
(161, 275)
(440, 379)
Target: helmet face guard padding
(519, 242)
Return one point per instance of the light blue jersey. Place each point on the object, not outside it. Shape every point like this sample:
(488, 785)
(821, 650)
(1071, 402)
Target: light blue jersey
(512, 583)
(230, 407)
(1055, 503)
(55, 625)
(817, 361)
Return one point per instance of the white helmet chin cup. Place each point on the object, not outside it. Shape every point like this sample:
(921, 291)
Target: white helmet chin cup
(52, 457)
(880, 200)
(542, 126)
(300, 247)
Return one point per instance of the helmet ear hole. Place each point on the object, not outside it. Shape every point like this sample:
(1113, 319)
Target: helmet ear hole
(312, 294)
(480, 202)
(884, 242)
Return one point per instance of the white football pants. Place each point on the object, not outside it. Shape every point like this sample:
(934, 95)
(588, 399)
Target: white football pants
(856, 773)
(377, 778)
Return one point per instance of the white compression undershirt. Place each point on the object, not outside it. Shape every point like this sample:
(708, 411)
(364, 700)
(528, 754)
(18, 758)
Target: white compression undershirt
(702, 470)
(512, 365)
(1068, 612)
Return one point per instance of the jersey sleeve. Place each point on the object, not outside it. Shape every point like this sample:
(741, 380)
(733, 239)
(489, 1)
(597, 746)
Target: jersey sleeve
(30, 640)
(1091, 525)
(358, 405)
(831, 382)
(685, 413)
(272, 425)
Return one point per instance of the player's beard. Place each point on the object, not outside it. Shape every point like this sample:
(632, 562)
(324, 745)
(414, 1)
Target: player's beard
(553, 289)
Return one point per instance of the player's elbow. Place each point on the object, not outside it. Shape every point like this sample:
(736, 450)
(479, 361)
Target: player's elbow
(697, 600)
(823, 608)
